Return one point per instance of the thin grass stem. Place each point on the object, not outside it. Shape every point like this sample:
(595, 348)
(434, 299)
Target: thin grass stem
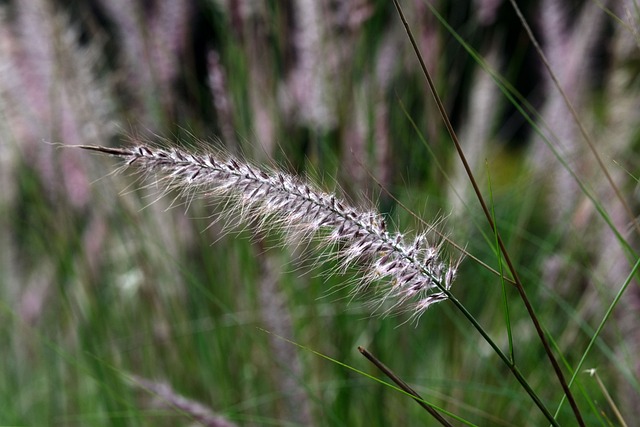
(505, 302)
(528, 113)
(519, 286)
(612, 404)
(596, 334)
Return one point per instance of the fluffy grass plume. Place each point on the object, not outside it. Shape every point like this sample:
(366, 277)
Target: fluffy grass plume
(410, 274)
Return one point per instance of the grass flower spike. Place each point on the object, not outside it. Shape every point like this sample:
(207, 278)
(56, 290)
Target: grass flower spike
(411, 275)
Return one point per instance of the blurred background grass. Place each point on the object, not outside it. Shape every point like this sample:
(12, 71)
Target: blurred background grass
(114, 307)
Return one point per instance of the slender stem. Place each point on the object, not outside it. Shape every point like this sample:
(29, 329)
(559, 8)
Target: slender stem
(607, 396)
(507, 361)
(519, 286)
(607, 315)
(404, 386)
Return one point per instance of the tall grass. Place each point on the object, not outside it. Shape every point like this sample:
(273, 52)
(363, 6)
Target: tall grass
(123, 303)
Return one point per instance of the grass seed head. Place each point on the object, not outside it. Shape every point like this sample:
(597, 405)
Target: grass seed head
(409, 276)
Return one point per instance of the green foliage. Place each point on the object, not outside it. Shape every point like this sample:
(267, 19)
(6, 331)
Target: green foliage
(103, 281)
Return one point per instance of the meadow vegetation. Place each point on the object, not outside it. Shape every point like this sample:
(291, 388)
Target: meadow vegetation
(285, 192)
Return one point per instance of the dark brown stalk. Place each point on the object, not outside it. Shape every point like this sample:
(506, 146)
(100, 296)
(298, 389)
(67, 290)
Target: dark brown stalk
(512, 269)
(404, 386)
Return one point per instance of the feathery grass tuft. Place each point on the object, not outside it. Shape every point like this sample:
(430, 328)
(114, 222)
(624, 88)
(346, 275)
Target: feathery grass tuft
(416, 277)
